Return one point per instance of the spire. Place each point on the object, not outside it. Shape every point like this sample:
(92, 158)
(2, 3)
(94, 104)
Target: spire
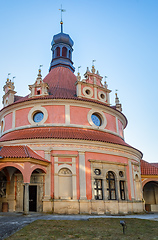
(9, 92)
(117, 102)
(61, 22)
(62, 49)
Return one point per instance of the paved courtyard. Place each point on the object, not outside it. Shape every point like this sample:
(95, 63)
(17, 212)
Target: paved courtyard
(12, 222)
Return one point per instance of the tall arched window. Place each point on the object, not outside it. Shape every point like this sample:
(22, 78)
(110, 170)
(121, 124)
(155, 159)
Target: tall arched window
(57, 51)
(65, 183)
(69, 54)
(110, 179)
(64, 52)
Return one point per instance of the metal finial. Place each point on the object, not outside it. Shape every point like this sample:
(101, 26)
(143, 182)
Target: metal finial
(13, 78)
(40, 66)
(61, 22)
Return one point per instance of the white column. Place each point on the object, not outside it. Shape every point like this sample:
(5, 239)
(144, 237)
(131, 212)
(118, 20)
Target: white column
(82, 175)
(26, 198)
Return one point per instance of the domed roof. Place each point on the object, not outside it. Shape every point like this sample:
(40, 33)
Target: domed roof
(62, 38)
(61, 81)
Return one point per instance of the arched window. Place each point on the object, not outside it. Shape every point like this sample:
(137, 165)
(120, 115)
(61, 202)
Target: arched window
(110, 179)
(65, 183)
(64, 52)
(57, 51)
(69, 54)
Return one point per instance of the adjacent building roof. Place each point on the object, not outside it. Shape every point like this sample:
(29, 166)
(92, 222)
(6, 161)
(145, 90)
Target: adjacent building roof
(149, 168)
(19, 152)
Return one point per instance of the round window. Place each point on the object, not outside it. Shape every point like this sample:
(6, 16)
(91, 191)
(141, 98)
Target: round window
(97, 171)
(38, 117)
(121, 173)
(96, 119)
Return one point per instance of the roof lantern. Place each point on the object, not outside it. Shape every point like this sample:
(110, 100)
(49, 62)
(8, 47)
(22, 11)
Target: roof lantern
(62, 49)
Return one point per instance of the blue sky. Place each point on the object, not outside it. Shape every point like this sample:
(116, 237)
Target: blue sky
(121, 35)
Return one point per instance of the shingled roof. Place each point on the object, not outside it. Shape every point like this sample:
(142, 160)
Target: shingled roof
(63, 133)
(19, 152)
(148, 168)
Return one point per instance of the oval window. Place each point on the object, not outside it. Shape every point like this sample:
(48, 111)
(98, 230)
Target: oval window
(96, 119)
(38, 117)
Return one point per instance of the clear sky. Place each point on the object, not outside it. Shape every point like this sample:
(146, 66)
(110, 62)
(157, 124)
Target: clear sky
(121, 35)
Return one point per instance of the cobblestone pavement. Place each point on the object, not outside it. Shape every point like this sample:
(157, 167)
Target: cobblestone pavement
(12, 222)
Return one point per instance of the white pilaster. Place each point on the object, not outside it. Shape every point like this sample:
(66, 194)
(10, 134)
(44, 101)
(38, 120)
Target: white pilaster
(67, 114)
(13, 120)
(82, 175)
(56, 192)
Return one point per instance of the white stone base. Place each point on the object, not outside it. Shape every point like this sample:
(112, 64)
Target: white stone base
(92, 207)
(154, 208)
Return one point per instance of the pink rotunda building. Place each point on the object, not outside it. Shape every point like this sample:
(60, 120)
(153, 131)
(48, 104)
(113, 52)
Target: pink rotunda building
(62, 147)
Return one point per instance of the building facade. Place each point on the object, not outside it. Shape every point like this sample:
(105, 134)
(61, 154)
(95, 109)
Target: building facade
(62, 146)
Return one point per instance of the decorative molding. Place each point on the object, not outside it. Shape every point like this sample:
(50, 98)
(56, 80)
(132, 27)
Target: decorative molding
(106, 162)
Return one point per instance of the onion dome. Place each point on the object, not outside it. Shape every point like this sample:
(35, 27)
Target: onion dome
(62, 51)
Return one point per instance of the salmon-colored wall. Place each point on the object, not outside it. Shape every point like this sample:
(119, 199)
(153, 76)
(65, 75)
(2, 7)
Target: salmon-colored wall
(111, 122)
(8, 121)
(105, 157)
(120, 128)
(65, 160)
(78, 115)
(21, 117)
(56, 114)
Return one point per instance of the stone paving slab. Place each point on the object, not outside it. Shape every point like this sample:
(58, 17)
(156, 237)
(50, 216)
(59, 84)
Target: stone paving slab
(12, 222)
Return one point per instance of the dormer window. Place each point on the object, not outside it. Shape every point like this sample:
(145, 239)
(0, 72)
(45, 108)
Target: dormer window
(64, 52)
(38, 92)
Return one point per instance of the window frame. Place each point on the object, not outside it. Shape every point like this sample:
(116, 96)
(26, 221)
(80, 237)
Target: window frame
(111, 181)
(97, 189)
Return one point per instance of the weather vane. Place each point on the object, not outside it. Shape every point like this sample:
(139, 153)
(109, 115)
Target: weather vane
(61, 22)
(93, 62)
(79, 68)
(40, 66)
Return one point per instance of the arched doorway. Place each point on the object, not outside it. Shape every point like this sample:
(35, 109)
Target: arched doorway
(36, 190)
(11, 189)
(150, 194)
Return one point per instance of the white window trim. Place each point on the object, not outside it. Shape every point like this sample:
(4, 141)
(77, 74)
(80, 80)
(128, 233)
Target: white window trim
(88, 95)
(33, 111)
(102, 116)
